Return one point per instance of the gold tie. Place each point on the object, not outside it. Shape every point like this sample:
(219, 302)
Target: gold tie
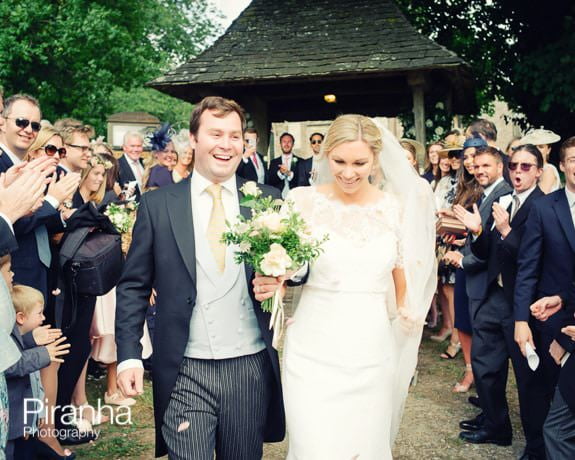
(217, 226)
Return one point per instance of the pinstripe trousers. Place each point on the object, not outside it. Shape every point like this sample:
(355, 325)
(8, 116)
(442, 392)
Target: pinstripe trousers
(219, 406)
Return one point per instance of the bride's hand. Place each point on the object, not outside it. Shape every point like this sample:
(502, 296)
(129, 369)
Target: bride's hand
(266, 286)
(409, 324)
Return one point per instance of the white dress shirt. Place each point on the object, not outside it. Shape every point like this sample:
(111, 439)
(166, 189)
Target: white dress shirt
(571, 202)
(137, 169)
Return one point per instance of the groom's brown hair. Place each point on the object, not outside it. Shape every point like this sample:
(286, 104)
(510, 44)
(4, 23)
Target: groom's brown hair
(221, 108)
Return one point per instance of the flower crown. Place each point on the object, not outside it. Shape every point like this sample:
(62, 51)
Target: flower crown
(97, 160)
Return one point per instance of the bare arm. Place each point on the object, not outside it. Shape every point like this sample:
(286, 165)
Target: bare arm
(547, 180)
(400, 286)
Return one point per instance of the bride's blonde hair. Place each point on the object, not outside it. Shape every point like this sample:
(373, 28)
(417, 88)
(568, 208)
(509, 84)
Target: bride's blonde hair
(351, 128)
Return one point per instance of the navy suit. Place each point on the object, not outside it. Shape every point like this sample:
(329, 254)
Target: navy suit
(305, 167)
(493, 340)
(247, 169)
(275, 181)
(26, 264)
(8, 241)
(545, 267)
(126, 175)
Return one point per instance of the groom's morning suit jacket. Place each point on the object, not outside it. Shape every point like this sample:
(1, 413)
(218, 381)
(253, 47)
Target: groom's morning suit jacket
(163, 255)
(26, 264)
(476, 272)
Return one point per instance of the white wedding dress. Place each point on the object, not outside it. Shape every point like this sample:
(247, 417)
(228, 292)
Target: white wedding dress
(340, 353)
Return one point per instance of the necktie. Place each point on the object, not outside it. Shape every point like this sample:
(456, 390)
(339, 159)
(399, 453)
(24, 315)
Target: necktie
(516, 205)
(217, 226)
(483, 196)
(137, 168)
(43, 244)
(255, 160)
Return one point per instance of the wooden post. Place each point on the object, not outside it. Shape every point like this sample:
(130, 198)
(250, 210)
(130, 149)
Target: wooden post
(417, 84)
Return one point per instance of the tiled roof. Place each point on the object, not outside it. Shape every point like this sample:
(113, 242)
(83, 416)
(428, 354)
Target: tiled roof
(274, 40)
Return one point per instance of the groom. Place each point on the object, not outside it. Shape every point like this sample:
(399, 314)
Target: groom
(216, 376)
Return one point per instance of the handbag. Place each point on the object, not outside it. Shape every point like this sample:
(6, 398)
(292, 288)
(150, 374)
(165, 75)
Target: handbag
(92, 261)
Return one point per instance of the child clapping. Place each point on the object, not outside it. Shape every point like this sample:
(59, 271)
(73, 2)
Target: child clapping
(39, 346)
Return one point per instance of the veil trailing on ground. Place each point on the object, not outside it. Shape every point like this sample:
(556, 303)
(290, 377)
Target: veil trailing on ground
(395, 175)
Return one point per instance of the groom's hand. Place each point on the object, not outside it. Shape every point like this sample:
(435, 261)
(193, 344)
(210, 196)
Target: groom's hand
(131, 381)
(266, 286)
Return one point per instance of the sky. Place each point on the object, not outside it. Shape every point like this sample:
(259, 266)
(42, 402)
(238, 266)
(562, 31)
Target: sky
(231, 9)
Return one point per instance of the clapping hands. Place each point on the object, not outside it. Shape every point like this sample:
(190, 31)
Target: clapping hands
(44, 335)
(546, 307)
(472, 220)
(501, 218)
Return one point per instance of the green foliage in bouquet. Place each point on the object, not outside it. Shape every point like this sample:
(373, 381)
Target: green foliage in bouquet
(275, 241)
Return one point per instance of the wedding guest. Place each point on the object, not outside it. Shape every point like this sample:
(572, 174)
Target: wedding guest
(159, 172)
(444, 196)
(543, 139)
(489, 174)
(415, 149)
(49, 142)
(468, 192)
(33, 257)
(308, 174)
(72, 373)
(545, 267)
(185, 158)
(131, 164)
(498, 243)
(284, 172)
(76, 139)
(252, 167)
(36, 353)
(432, 162)
(10, 352)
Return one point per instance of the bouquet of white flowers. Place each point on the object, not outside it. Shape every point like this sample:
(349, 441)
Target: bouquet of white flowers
(123, 217)
(275, 242)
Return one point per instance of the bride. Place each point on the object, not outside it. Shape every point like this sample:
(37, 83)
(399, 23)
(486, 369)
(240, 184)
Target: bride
(363, 303)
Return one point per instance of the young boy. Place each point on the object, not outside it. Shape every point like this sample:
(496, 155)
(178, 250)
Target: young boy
(38, 350)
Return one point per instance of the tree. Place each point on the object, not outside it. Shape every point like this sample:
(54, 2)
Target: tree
(79, 56)
(520, 52)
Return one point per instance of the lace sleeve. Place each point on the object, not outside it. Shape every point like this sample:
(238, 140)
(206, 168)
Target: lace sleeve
(395, 217)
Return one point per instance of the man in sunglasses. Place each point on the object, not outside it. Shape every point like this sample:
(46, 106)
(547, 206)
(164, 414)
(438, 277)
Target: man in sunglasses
(545, 268)
(32, 260)
(498, 243)
(78, 148)
(308, 174)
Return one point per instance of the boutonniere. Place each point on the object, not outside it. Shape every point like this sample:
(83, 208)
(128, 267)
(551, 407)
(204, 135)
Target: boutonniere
(294, 160)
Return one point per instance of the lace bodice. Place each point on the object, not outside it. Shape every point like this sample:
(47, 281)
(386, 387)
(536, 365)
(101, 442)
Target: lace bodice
(364, 243)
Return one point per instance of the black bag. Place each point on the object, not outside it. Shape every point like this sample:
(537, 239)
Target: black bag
(91, 260)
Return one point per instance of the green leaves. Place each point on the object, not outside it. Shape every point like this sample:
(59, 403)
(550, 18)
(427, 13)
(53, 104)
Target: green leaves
(83, 58)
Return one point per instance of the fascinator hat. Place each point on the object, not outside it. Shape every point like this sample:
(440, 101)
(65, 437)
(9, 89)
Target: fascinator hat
(540, 137)
(161, 138)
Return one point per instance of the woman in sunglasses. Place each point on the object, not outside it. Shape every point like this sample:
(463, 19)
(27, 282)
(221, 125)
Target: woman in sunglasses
(48, 143)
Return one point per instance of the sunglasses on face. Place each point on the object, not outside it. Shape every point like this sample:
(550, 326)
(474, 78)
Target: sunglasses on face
(525, 167)
(51, 150)
(316, 142)
(23, 123)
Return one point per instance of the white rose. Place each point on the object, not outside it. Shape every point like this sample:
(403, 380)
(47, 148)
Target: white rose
(272, 221)
(276, 262)
(251, 188)
(439, 105)
(242, 227)
(245, 246)
(439, 130)
(428, 123)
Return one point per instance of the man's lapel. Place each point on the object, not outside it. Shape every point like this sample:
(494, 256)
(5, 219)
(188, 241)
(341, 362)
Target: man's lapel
(5, 161)
(521, 215)
(561, 207)
(180, 213)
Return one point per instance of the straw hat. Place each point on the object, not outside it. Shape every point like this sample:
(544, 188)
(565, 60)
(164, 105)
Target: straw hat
(418, 146)
(540, 137)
